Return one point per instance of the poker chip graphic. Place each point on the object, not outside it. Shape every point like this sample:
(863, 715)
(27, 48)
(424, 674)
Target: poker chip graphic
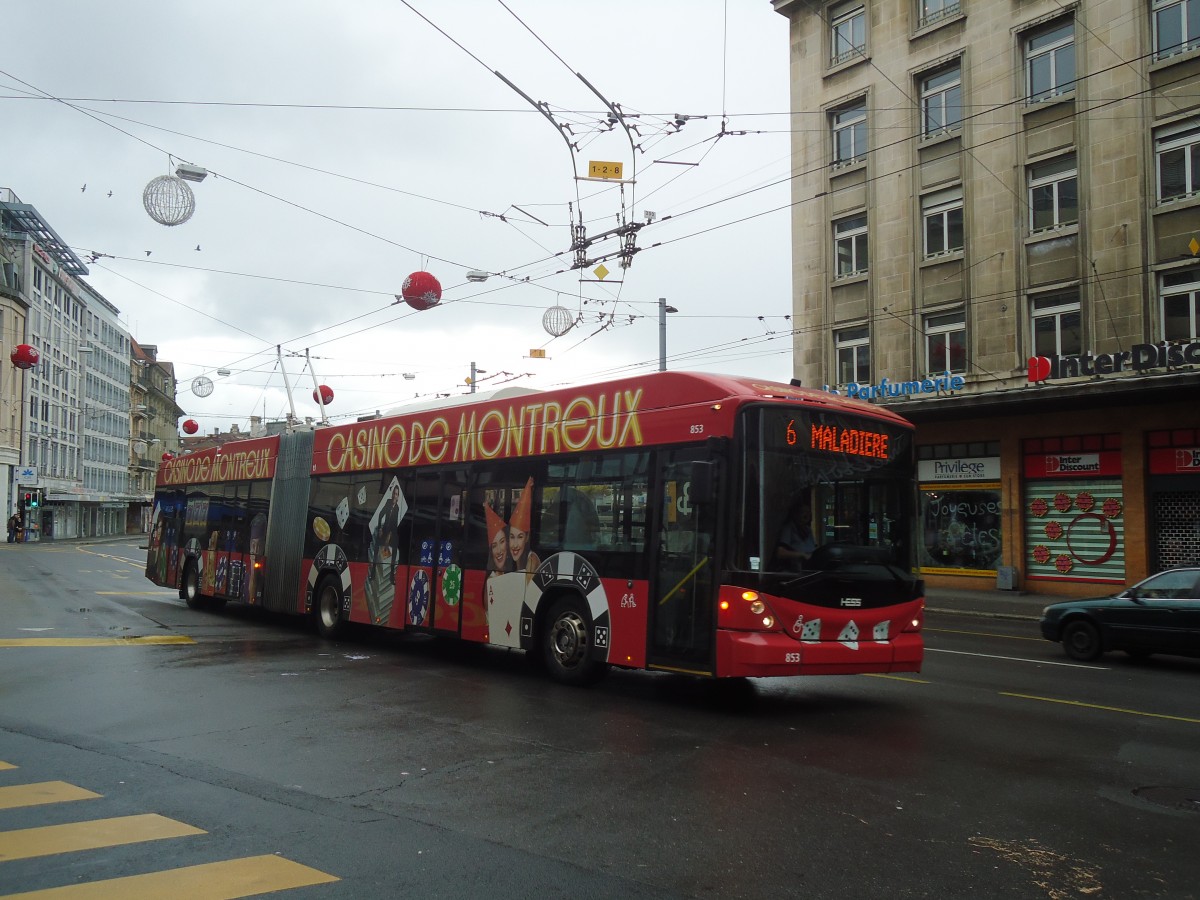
(418, 598)
(452, 585)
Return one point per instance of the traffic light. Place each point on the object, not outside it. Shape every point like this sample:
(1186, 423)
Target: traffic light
(37, 500)
(29, 499)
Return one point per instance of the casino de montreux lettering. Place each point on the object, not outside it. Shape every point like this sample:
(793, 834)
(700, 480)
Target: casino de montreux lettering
(239, 465)
(583, 423)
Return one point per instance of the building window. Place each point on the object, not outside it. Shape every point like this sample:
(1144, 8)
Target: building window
(1056, 324)
(1177, 152)
(853, 355)
(936, 10)
(850, 246)
(1180, 293)
(1050, 61)
(943, 216)
(946, 342)
(849, 128)
(941, 100)
(1053, 194)
(1176, 27)
(848, 32)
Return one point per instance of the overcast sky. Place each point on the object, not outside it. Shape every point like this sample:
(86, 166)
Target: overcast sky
(352, 144)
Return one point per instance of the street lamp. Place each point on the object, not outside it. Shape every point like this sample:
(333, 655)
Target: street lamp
(663, 309)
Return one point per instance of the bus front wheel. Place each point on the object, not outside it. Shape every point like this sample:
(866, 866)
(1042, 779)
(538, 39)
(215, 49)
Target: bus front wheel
(567, 644)
(189, 588)
(327, 608)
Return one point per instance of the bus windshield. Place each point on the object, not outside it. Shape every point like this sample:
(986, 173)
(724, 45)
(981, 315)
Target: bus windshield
(824, 490)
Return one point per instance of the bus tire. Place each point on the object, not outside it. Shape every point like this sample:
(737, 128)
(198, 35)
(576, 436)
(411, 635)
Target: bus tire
(189, 586)
(327, 608)
(567, 644)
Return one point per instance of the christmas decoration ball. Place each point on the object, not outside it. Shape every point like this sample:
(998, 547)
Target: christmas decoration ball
(168, 200)
(24, 356)
(421, 291)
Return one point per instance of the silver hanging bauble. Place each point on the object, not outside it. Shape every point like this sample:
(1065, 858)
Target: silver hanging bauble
(557, 320)
(168, 200)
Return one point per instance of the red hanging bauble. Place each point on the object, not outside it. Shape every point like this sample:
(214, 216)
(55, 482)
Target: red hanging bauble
(326, 396)
(24, 356)
(191, 426)
(421, 291)
(168, 456)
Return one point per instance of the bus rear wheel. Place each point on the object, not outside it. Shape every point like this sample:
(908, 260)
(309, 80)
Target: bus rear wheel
(567, 644)
(189, 588)
(327, 608)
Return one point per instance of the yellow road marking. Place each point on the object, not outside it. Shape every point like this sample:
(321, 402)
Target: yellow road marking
(897, 677)
(214, 881)
(41, 793)
(27, 843)
(4, 765)
(96, 642)
(1131, 712)
(1009, 637)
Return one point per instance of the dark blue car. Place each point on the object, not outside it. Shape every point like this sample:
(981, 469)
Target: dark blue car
(1158, 615)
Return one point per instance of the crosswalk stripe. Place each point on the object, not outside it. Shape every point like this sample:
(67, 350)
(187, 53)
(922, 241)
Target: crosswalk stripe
(96, 642)
(227, 880)
(27, 843)
(43, 792)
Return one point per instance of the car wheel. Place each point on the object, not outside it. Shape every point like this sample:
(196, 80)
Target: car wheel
(1081, 640)
(567, 644)
(327, 609)
(190, 588)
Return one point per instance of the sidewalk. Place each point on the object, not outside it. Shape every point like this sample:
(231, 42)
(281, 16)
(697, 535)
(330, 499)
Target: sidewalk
(991, 603)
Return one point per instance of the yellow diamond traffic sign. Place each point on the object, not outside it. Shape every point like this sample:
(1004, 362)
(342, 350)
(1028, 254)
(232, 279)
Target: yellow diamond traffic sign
(601, 271)
(1194, 246)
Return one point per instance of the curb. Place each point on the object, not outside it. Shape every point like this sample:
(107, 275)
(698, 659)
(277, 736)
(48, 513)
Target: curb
(983, 614)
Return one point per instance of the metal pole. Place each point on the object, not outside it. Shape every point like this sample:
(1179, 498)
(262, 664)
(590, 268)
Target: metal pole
(316, 388)
(472, 376)
(286, 386)
(662, 334)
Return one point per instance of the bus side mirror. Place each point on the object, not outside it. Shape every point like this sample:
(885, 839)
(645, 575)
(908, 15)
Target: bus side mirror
(703, 488)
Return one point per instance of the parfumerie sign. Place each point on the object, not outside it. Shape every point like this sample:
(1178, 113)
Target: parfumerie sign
(1137, 359)
(886, 388)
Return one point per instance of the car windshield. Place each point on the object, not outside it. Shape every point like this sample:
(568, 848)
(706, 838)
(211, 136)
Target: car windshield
(822, 490)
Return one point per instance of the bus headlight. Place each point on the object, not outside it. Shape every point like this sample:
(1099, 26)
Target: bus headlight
(757, 607)
(768, 621)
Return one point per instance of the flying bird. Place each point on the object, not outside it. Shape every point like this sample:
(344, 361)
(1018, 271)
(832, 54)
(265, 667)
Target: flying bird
(197, 246)
(110, 193)
(84, 188)
(147, 252)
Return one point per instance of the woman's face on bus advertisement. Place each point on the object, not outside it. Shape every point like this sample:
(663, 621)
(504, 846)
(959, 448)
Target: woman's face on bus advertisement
(499, 549)
(516, 543)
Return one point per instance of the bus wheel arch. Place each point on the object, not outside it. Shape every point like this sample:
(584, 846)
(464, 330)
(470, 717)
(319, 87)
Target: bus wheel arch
(566, 637)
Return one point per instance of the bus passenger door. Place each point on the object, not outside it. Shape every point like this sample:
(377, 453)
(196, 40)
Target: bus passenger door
(448, 568)
(682, 590)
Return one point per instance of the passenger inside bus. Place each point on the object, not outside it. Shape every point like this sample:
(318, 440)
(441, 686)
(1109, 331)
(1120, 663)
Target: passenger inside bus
(796, 541)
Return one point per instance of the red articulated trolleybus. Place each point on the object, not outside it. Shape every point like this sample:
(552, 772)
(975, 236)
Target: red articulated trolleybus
(702, 524)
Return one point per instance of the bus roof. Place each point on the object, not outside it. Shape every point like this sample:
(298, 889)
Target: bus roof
(655, 408)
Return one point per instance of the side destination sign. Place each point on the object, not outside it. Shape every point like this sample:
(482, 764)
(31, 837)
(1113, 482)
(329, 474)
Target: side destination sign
(586, 421)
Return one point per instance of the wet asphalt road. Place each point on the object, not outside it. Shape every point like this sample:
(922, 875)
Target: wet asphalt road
(403, 767)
